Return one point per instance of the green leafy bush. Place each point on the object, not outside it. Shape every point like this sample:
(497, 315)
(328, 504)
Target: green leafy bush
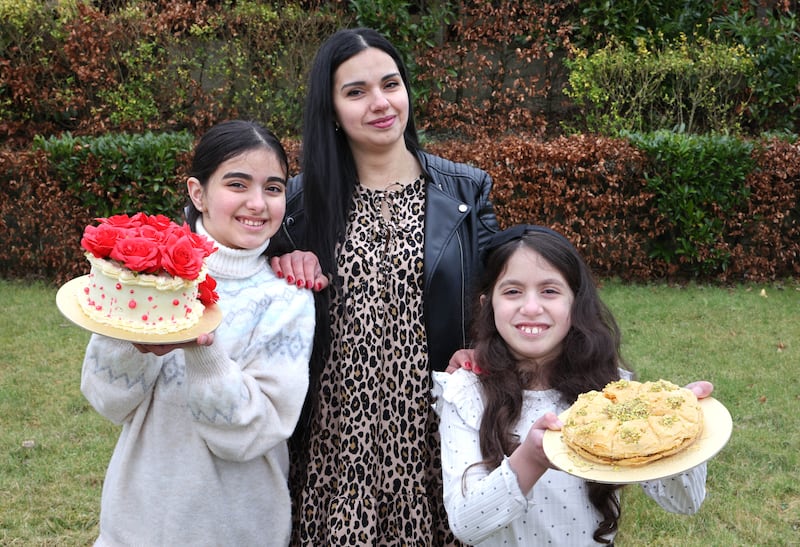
(689, 86)
(774, 44)
(767, 30)
(628, 20)
(698, 182)
(121, 173)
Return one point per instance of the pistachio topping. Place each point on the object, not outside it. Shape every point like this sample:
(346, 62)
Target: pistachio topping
(675, 402)
(634, 409)
(630, 435)
(668, 420)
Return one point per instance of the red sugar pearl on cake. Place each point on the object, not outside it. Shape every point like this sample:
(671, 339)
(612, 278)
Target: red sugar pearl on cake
(132, 304)
(176, 302)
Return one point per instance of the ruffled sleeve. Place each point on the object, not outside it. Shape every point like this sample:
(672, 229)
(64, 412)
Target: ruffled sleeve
(682, 494)
(478, 501)
(460, 389)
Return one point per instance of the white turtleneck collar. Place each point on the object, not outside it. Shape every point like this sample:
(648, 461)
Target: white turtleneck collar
(230, 263)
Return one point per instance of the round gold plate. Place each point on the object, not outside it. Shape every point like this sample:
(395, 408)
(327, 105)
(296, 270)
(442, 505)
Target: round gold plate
(717, 428)
(67, 302)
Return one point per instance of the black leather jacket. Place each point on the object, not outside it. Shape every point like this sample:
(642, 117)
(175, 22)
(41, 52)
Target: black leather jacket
(459, 219)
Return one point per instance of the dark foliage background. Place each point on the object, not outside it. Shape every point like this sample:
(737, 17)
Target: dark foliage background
(100, 103)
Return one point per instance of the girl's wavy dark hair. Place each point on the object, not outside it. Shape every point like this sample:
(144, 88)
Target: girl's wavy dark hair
(590, 357)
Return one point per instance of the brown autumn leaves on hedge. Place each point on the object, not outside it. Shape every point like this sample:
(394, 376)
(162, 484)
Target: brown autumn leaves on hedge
(588, 187)
(591, 188)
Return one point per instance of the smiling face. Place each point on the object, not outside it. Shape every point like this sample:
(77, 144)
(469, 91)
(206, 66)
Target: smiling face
(532, 303)
(244, 200)
(370, 100)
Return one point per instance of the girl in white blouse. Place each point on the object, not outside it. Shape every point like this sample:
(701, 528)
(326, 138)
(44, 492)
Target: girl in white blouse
(541, 337)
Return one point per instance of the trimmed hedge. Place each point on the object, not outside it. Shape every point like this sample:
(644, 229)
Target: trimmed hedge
(120, 172)
(623, 202)
(596, 191)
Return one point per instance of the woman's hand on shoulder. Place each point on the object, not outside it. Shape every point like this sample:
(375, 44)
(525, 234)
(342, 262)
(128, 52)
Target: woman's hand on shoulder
(463, 358)
(300, 268)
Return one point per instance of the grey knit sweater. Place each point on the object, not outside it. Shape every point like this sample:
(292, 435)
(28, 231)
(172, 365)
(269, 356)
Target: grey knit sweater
(202, 457)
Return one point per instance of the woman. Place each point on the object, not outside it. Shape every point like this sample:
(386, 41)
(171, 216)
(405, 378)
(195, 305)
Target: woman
(399, 232)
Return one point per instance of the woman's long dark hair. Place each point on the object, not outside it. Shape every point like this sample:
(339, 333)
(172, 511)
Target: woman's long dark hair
(329, 170)
(329, 178)
(221, 143)
(590, 356)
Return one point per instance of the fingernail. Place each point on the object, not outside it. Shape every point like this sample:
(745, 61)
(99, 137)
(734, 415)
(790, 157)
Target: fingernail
(309, 284)
(290, 279)
(279, 274)
(467, 365)
(301, 283)
(319, 286)
(477, 370)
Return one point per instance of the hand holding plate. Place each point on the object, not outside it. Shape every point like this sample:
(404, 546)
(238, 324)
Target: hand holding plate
(205, 339)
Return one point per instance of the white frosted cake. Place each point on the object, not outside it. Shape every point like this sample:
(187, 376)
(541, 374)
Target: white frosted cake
(134, 284)
(158, 304)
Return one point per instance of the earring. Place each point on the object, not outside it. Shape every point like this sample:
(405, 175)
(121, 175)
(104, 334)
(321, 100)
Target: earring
(336, 126)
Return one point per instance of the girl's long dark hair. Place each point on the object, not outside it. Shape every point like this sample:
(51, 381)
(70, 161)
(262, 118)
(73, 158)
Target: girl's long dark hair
(590, 357)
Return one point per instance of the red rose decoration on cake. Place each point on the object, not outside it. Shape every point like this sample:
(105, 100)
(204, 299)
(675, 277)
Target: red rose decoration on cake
(206, 293)
(100, 240)
(136, 253)
(123, 221)
(201, 242)
(152, 244)
(180, 257)
(159, 222)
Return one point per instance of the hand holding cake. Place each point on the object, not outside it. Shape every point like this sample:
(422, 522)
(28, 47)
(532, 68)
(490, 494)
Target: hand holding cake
(205, 339)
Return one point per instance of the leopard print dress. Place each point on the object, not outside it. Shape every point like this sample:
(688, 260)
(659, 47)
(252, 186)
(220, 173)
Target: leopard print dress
(374, 472)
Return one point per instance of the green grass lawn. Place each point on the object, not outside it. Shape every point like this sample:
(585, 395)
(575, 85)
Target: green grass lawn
(747, 342)
(54, 448)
